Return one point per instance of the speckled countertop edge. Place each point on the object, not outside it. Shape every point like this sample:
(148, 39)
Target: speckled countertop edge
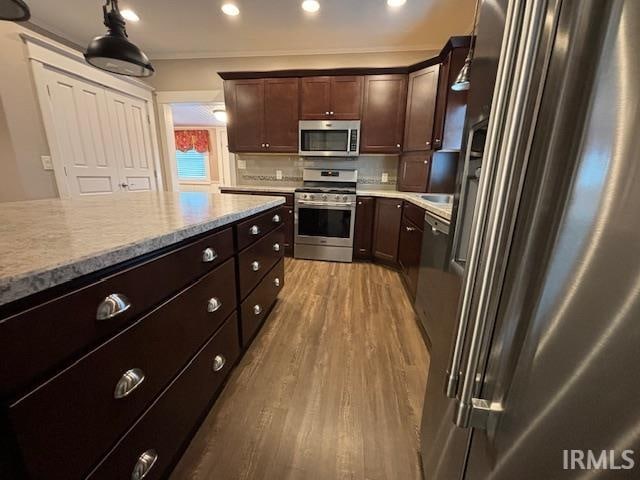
(16, 287)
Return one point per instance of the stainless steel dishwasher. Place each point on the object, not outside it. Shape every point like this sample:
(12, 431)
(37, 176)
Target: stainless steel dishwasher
(432, 274)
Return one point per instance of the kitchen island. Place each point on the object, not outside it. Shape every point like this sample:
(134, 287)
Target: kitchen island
(127, 313)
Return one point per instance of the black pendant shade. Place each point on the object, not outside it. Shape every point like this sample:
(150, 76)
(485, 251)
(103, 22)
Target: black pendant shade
(14, 10)
(113, 52)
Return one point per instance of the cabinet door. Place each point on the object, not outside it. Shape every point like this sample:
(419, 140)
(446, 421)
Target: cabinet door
(413, 171)
(383, 113)
(387, 229)
(421, 105)
(315, 102)
(409, 251)
(363, 229)
(281, 100)
(286, 212)
(346, 98)
(246, 115)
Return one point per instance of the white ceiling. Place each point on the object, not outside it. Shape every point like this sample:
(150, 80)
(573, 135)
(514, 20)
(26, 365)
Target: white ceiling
(195, 115)
(197, 28)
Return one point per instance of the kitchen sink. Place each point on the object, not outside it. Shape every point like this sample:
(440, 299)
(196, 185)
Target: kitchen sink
(438, 198)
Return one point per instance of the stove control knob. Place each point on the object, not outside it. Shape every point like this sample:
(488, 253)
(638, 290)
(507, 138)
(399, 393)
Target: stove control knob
(324, 197)
(345, 199)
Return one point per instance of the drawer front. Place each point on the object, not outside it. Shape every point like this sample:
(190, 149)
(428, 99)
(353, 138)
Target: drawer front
(414, 214)
(170, 420)
(257, 260)
(67, 424)
(34, 343)
(257, 305)
(257, 227)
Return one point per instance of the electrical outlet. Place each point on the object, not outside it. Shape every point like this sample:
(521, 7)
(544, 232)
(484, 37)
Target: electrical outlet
(47, 164)
(242, 164)
(385, 177)
(278, 174)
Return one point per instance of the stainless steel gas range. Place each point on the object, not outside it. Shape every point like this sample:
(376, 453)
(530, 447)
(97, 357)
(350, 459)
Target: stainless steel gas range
(325, 212)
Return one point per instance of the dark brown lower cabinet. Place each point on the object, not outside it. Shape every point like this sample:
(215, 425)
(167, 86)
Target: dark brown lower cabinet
(409, 254)
(286, 213)
(363, 229)
(386, 229)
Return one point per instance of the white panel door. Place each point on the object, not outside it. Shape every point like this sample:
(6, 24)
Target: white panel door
(132, 141)
(82, 134)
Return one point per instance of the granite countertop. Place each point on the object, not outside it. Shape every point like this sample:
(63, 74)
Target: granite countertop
(443, 211)
(44, 243)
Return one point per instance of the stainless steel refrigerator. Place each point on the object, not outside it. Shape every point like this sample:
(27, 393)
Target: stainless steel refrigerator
(535, 321)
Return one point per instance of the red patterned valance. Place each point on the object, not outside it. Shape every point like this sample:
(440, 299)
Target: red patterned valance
(197, 140)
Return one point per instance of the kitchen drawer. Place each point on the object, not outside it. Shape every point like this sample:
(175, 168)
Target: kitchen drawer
(66, 424)
(258, 259)
(414, 214)
(167, 424)
(257, 227)
(257, 305)
(40, 340)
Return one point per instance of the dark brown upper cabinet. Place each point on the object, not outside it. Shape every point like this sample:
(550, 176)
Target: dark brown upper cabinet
(413, 171)
(363, 229)
(421, 106)
(383, 113)
(331, 97)
(386, 230)
(451, 107)
(263, 114)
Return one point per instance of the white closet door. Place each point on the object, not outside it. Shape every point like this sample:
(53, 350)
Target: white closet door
(83, 135)
(132, 141)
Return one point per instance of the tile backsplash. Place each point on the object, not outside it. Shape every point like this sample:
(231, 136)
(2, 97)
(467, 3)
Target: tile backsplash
(263, 169)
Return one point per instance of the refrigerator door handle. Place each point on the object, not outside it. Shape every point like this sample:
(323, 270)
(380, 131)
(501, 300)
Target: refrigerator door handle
(525, 26)
(481, 211)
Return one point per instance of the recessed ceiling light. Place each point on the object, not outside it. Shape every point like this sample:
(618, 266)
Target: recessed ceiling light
(220, 115)
(230, 9)
(396, 3)
(130, 15)
(311, 6)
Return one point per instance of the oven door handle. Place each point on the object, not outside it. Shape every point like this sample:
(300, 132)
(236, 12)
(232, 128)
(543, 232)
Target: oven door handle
(323, 204)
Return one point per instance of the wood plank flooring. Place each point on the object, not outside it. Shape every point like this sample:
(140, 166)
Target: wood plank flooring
(332, 387)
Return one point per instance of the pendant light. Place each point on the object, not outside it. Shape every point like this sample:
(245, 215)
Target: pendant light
(113, 52)
(14, 10)
(463, 80)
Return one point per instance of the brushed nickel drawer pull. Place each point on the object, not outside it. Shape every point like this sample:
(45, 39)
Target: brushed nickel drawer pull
(112, 306)
(276, 247)
(276, 282)
(218, 363)
(255, 266)
(209, 255)
(130, 380)
(213, 305)
(276, 218)
(254, 230)
(145, 463)
(257, 309)
(410, 229)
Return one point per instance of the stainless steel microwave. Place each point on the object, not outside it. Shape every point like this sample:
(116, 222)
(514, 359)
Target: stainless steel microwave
(329, 138)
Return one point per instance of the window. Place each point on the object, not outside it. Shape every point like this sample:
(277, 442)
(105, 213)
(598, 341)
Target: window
(192, 165)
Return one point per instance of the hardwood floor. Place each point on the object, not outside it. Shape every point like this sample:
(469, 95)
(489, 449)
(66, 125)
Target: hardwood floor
(332, 387)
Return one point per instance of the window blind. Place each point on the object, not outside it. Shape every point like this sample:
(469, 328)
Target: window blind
(192, 165)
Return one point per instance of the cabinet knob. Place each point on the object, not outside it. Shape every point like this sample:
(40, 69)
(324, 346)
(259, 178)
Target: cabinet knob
(209, 255)
(276, 282)
(399, 206)
(398, 145)
(410, 229)
(326, 113)
(218, 363)
(276, 219)
(267, 145)
(213, 305)
(263, 145)
(331, 113)
(112, 306)
(254, 230)
(257, 309)
(276, 247)
(437, 140)
(428, 143)
(145, 463)
(130, 380)
(359, 203)
(426, 161)
(255, 266)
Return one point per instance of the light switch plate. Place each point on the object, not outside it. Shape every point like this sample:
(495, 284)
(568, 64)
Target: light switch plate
(242, 164)
(47, 164)
(385, 177)
(278, 174)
